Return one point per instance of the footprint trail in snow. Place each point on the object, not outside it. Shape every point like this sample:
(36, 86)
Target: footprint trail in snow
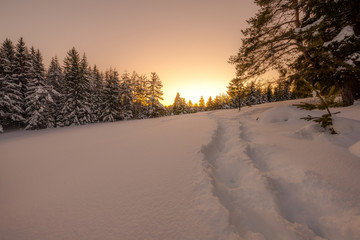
(268, 193)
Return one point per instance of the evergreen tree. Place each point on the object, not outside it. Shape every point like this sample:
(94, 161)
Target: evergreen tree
(111, 109)
(209, 104)
(270, 41)
(55, 80)
(11, 98)
(222, 101)
(96, 83)
(156, 109)
(201, 104)
(312, 41)
(179, 106)
(269, 94)
(127, 97)
(76, 107)
(190, 107)
(236, 91)
(196, 107)
(217, 103)
(85, 112)
(140, 92)
(252, 96)
(331, 32)
(38, 97)
(22, 69)
(55, 75)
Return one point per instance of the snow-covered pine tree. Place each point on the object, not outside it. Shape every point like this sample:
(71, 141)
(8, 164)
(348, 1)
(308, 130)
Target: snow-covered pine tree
(111, 109)
(85, 113)
(76, 99)
(196, 107)
(217, 103)
(252, 95)
(201, 104)
(22, 69)
(224, 101)
(55, 80)
(55, 75)
(11, 98)
(269, 94)
(126, 97)
(190, 107)
(155, 109)
(140, 95)
(331, 32)
(179, 106)
(209, 104)
(236, 91)
(96, 83)
(316, 41)
(38, 97)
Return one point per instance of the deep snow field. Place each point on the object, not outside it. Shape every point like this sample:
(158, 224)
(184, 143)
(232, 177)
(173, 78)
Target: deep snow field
(261, 173)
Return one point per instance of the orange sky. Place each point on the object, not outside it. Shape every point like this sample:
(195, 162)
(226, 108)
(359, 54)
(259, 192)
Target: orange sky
(187, 42)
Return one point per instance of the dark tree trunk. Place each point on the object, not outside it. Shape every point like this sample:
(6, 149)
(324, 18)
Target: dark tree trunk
(348, 93)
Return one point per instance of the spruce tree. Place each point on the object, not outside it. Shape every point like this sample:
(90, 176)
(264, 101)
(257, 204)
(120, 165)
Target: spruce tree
(201, 104)
(76, 106)
(11, 98)
(312, 41)
(111, 109)
(209, 104)
(156, 109)
(190, 107)
(179, 106)
(252, 96)
(269, 94)
(127, 97)
(22, 69)
(236, 91)
(38, 97)
(140, 92)
(333, 43)
(85, 112)
(55, 80)
(96, 83)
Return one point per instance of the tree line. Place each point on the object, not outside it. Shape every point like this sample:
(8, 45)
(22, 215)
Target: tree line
(309, 42)
(237, 96)
(32, 97)
(73, 94)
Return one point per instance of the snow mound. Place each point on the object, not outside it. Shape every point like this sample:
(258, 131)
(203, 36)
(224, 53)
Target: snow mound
(308, 131)
(280, 114)
(355, 149)
(347, 126)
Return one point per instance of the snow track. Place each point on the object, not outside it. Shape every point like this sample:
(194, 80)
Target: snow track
(266, 197)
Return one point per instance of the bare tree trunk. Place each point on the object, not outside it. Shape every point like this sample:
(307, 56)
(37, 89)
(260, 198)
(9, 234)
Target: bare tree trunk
(347, 93)
(297, 14)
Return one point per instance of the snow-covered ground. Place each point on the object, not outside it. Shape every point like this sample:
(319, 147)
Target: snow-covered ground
(261, 173)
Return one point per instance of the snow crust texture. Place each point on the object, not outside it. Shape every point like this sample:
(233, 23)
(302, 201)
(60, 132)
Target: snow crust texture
(261, 173)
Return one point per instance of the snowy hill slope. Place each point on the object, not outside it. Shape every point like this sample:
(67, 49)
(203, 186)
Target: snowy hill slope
(261, 173)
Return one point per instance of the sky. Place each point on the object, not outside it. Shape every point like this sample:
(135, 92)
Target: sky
(186, 42)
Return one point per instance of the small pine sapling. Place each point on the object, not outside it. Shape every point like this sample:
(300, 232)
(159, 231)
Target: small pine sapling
(327, 100)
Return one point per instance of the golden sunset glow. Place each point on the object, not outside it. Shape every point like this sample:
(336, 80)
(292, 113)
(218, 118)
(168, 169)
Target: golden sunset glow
(193, 89)
(187, 43)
